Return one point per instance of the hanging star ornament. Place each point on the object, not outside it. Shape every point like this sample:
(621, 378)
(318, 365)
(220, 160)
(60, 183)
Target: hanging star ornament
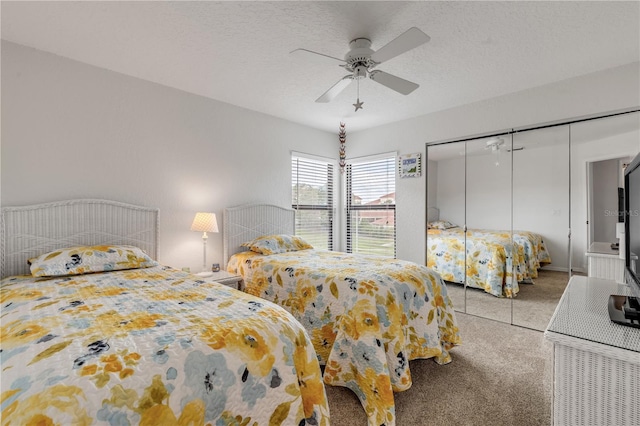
(358, 104)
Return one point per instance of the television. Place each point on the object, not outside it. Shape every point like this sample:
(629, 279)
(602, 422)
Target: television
(632, 224)
(626, 309)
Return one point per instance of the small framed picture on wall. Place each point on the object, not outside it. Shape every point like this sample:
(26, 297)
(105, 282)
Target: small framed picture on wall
(409, 165)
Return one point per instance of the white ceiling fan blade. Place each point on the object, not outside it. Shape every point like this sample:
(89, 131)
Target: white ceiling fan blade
(398, 84)
(406, 41)
(317, 57)
(335, 89)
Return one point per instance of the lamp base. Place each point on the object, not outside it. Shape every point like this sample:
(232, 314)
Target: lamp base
(204, 274)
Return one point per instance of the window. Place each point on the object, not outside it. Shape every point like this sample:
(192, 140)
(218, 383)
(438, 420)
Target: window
(312, 199)
(371, 206)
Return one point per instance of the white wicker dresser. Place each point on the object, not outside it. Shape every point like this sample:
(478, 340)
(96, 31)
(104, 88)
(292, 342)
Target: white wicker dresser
(596, 362)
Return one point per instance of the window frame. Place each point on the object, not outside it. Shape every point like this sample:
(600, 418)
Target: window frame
(350, 207)
(331, 165)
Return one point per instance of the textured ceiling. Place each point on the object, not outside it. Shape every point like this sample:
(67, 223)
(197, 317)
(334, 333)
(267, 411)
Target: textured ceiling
(238, 52)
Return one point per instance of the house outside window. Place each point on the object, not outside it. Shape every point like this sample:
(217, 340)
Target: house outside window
(371, 205)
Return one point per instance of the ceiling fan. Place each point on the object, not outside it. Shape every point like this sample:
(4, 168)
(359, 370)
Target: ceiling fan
(361, 60)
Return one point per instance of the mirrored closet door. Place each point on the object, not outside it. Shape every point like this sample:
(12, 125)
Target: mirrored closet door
(512, 215)
(489, 268)
(469, 223)
(541, 222)
(499, 223)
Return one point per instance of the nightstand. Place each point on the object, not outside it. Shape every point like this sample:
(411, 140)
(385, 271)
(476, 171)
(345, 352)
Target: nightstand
(226, 278)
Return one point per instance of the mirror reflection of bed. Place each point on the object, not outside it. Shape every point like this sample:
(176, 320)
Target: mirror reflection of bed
(534, 183)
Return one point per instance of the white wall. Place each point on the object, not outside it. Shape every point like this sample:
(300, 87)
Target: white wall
(608, 90)
(487, 200)
(541, 196)
(488, 197)
(70, 130)
(450, 190)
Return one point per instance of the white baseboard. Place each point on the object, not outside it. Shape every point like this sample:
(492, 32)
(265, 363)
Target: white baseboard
(561, 269)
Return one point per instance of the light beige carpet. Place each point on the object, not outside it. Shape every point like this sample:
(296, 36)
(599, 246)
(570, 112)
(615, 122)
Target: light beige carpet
(501, 375)
(533, 307)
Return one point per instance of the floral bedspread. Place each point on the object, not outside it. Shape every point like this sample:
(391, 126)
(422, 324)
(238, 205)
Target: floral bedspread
(367, 316)
(535, 250)
(152, 346)
(492, 258)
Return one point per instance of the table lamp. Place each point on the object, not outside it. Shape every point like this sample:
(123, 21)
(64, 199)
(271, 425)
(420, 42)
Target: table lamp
(204, 222)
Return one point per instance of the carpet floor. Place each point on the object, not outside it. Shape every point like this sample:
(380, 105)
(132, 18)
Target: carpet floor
(533, 307)
(500, 375)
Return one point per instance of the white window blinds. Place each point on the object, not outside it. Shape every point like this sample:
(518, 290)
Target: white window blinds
(312, 198)
(371, 206)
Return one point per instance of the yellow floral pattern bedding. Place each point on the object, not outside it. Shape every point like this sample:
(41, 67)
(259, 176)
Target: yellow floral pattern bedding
(535, 250)
(88, 259)
(492, 258)
(368, 316)
(152, 346)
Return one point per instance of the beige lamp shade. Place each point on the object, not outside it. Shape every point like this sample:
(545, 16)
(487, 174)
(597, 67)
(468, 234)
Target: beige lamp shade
(205, 222)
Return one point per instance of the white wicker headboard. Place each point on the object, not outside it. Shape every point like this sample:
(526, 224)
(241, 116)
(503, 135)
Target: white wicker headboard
(30, 231)
(244, 223)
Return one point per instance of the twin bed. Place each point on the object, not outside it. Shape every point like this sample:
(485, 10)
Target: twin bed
(104, 333)
(494, 261)
(367, 316)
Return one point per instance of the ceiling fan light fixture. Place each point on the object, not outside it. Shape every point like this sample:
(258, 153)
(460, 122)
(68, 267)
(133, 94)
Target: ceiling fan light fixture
(360, 72)
(494, 144)
(361, 60)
